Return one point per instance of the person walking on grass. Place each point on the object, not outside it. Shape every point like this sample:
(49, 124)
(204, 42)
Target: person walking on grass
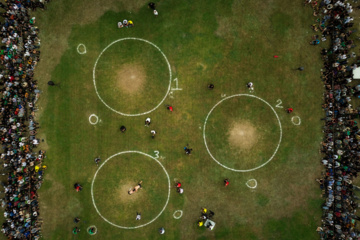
(97, 160)
(138, 216)
(162, 230)
(76, 230)
(147, 122)
(187, 150)
(123, 129)
(250, 86)
(169, 107)
(153, 133)
(226, 182)
(76, 220)
(77, 187)
(152, 6)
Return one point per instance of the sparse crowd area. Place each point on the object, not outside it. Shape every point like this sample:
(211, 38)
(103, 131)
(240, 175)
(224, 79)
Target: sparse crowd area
(21, 159)
(340, 148)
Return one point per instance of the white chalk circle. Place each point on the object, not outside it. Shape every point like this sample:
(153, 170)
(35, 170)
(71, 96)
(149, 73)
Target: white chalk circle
(134, 39)
(243, 170)
(251, 183)
(296, 120)
(176, 213)
(96, 119)
(92, 190)
(95, 230)
(81, 49)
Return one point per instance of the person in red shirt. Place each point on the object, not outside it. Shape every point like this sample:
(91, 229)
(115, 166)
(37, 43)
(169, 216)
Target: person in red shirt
(226, 182)
(289, 110)
(170, 108)
(178, 185)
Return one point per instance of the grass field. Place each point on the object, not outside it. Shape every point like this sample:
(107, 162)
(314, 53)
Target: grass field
(225, 43)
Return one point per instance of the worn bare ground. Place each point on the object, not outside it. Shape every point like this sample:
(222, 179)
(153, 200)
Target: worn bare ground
(121, 193)
(56, 30)
(130, 78)
(243, 135)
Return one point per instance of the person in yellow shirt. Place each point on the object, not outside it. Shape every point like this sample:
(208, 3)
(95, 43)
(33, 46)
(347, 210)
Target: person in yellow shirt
(204, 210)
(200, 223)
(37, 168)
(130, 23)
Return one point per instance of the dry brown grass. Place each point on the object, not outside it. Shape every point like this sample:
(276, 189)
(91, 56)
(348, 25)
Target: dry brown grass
(57, 19)
(243, 135)
(130, 78)
(121, 193)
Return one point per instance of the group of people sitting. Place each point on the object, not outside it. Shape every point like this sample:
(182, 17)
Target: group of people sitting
(205, 214)
(341, 144)
(21, 160)
(125, 23)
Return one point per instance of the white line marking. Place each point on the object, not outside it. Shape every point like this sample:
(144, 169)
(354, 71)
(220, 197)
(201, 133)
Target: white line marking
(279, 103)
(241, 170)
(223, 95)
(89, 229)
(298, 118)
(156, 154)
(249, 185)
(92, 190)
(96, 119)
(177, 85)
(81, 46)
(178, 211)
(177, 82)
(94, 78)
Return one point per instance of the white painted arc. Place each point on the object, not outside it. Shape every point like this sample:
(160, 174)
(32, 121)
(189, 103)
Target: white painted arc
(96, 121)
(92, 190)
(178, 211)
(249, 181)
(136, 39)
(298, 118)
(242, 170)
(78, 49)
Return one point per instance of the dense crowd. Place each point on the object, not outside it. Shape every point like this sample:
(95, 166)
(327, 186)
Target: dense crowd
(22, 161)
(341, 144)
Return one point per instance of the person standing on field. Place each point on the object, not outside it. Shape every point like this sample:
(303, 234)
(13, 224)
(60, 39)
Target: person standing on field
(147, 122)
(153, 133)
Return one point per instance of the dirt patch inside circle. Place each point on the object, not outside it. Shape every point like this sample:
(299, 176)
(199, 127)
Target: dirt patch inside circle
(243, 135)
(130, 78)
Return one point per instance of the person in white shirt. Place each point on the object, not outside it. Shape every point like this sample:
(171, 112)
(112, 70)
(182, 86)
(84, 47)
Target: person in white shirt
(162, 230)
(147, 122)
(153, 133)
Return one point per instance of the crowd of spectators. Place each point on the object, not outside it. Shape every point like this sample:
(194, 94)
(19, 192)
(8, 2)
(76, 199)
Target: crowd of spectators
(341, 144)
(22, 161)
